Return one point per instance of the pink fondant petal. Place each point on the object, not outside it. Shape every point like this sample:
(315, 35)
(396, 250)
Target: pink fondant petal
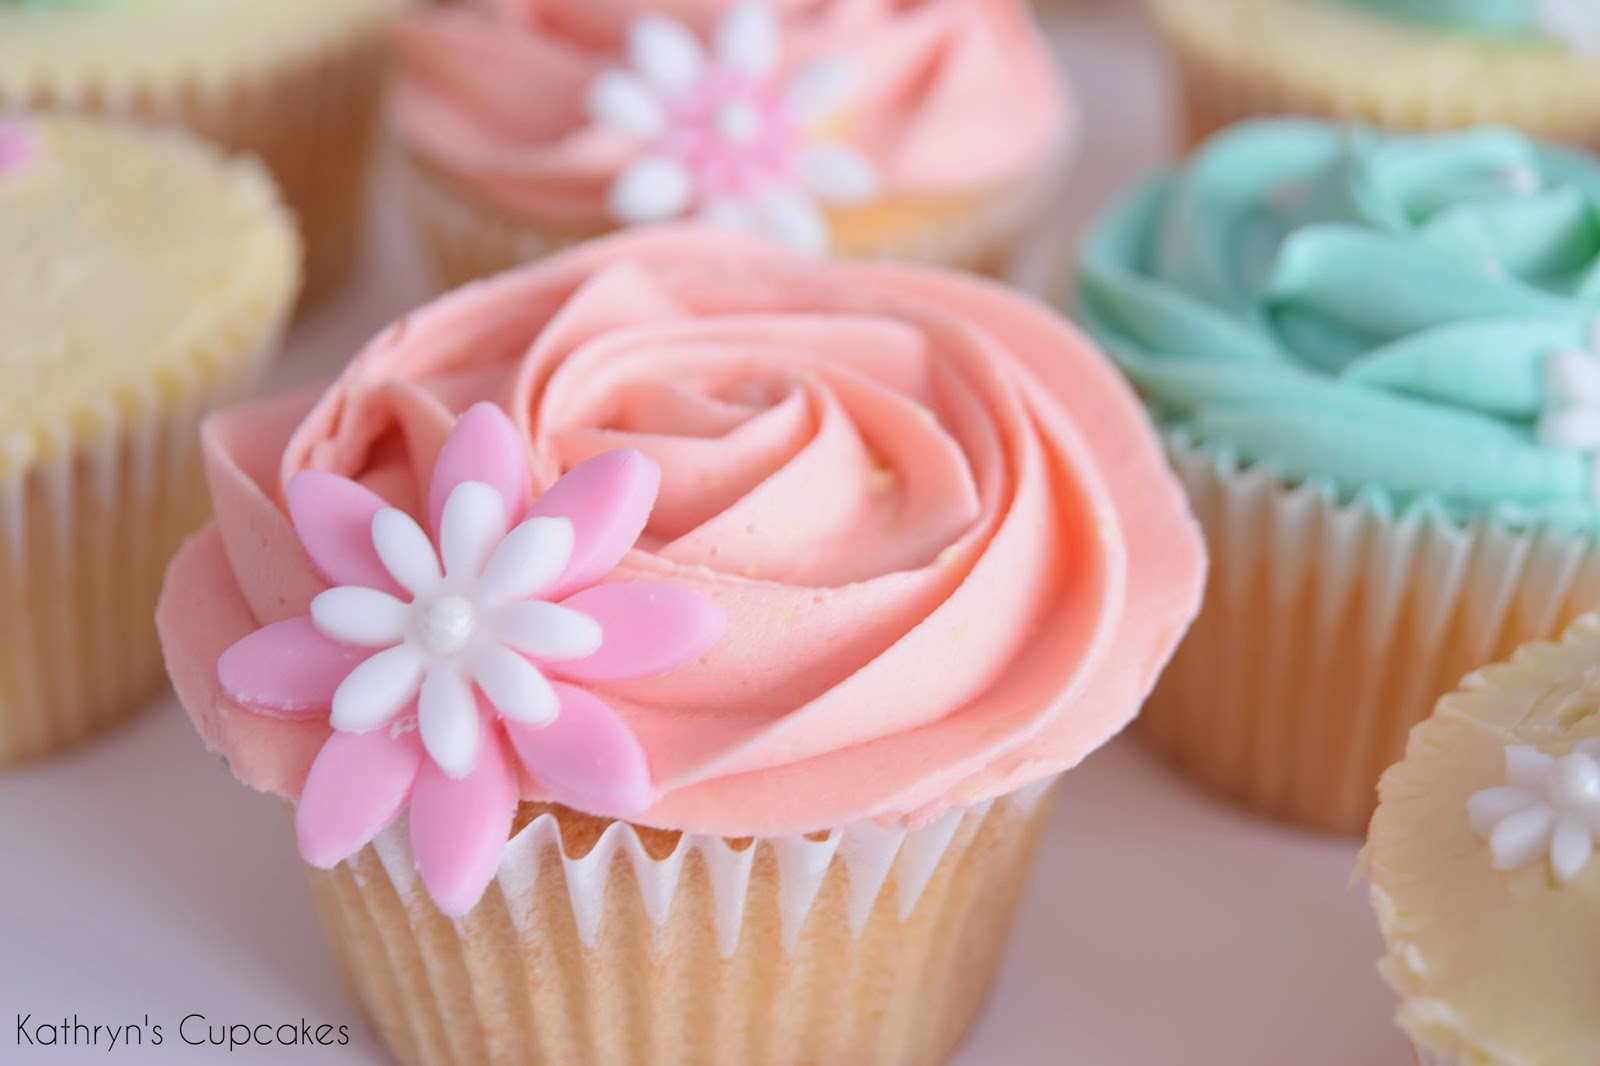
(486, 447)
(356, 786)
(648, 629)
(333, 517)
(587, 758)
(608, 500)
(459, 828)
(287, 670)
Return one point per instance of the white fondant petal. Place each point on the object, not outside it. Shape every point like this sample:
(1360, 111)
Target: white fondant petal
(447, 719)
(473, 522)
(1573, 428)
(513, 685)
(1571, 377)
(790, 218)
(405, 551)
(527, 561)
(837, 174)
(625, 104)
(747, 39)
(377, 690)
(818, 89)
(668, 56)
(1522, 837)
(654, 189)
(1571, 847)
(1490, 807)
(1526, 766)
(360, 616)
(547, 630)
(726, 213)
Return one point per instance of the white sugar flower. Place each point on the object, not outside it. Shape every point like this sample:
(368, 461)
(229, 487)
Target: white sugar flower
(470, 620)
(1575, 23)
(1549, 806)
(1571, 416)
(721, 138)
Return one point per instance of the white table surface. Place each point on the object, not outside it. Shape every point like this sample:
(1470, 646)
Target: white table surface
(138, 879)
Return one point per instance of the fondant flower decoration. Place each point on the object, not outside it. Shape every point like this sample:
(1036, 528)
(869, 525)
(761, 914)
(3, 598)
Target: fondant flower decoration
(443, 660)
(1575, 23)
(1571, 414)
(18, 145)
(1549, 806)
(722, 139)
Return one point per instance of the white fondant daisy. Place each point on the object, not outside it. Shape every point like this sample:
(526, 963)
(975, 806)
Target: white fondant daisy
(1575, 23)
(1571, 415)
(1548, 807)
(473, 618)
(722, 139)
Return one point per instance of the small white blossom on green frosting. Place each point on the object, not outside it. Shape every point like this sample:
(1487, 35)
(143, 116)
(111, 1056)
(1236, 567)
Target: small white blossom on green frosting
(1549, 807)
(1571, 416)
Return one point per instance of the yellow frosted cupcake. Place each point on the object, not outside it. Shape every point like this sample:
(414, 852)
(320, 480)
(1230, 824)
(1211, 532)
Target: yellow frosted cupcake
(295, 82)
(923, 131)
(145, 279)
(1406, 64)
(1483, 868)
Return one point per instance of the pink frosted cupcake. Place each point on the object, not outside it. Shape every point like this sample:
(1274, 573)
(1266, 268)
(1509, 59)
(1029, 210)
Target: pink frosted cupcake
(667, 647)
(872, 128)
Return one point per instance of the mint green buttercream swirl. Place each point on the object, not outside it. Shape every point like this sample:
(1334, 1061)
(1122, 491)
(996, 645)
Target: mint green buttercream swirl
(1360, 309)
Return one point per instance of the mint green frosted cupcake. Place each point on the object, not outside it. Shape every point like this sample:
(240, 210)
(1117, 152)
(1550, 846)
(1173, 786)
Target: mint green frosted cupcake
(1377, 361)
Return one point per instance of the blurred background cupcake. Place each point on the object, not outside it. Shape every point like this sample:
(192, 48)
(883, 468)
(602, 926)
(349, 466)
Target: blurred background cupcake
(144, 280)
(720, 618)
(1484, 876)
(296, 83)
(1404, 64)
(924, 130)
(1376, 359)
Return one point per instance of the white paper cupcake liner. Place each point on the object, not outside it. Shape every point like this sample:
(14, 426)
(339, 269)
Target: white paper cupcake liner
(629, 947)
(85, 536)
(1329, 629)
(867, 850)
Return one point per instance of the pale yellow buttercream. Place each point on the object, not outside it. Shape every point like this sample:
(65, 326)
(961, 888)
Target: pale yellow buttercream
(103, 44)
(135, 265)
(1339, 60)
(1493, 968)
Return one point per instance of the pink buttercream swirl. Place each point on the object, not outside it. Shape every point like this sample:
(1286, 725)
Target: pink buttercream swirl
(947, 98)
(948, 550)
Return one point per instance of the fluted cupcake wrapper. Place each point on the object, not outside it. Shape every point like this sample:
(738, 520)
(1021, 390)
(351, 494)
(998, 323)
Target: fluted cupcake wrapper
(603, 944)
(312, 122)
(1329, 629)
(85, 536)
(464, 239)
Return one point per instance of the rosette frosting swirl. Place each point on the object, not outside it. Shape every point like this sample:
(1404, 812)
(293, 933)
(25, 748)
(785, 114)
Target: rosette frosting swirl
(940, 98)
(949, 554)
(1404, 316)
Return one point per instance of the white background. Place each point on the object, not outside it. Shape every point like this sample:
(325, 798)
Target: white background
(1160, 929)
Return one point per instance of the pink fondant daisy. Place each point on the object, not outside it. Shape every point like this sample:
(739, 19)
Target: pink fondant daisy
(442, 661)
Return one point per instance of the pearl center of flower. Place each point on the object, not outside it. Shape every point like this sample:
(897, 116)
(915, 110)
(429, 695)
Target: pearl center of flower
(447, 625)
(1574, 782)
(738, 122)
